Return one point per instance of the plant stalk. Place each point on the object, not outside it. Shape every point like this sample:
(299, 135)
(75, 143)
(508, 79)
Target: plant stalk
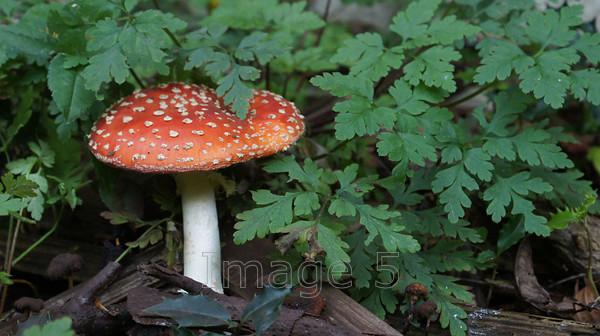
(590, 268)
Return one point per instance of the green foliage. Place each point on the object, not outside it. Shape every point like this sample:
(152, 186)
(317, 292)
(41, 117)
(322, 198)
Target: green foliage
(389, 185)
(5, 278)
(265, 307)
(193, 311)
(13, 191)
(198, 311)
(59, 327)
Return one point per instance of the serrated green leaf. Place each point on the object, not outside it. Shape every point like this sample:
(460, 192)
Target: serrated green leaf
(8, 204)
(415, 101)
(361, 258)
(589, 45)
(259, 221)
(550, 28)
(374, 220)
(445, 256)
(20, 186)
(477, 162)
(267, 14)
(103, 35)
(508, 107)
(59, 327)
(306, 203)
(368, 56)
(532, 147)
(333, 246)
(192, 311)
(5, 278)
(68, 89)
(340, 207)
(585, 84)
(257, 45)
(433, 68)
(454, 180)
(411, 23)
(376, 302)
(503, 59)
(308, 175)
(562, 218)
(105, 66)
(448, 30)
(265, 307)
(22, 166)
(451, 316)
(28, 37)
(512, 190)
(234, 91)
(569, 189)
(406, 147)
(358, 116)
(547, 78)
(44, 152)
(341, 85)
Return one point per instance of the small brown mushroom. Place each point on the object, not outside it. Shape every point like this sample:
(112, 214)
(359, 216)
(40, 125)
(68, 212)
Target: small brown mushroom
(416, 291)
(26, 305)
(64, 265)
(426, 311)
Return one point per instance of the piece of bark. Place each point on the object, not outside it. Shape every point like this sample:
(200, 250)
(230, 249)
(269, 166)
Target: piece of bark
(530, 289)
(340, 309)
(587, 312)
(569, 246)
(128, 278)
(82, 308)
(290, 321)
(343, 310)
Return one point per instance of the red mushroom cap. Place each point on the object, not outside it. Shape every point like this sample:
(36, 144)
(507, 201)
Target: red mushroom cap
(185, 127)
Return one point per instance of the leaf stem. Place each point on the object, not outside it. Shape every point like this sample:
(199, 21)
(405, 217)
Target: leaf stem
(42, 238)
(469, 96)
(152, 227)
(335, 148)
(315, 44)
(173, 38)
(137, 79)
(590, 267)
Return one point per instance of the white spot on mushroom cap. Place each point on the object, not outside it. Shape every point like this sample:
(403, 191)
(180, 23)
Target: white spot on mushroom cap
(127, 119)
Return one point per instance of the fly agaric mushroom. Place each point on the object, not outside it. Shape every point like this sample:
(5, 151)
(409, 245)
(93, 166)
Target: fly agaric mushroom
(187, 129)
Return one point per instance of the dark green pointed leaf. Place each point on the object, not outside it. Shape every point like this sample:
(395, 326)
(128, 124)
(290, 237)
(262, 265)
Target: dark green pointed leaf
(264, 309)
(192, 311)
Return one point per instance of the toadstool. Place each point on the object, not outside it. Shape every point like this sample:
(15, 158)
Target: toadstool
(187, 129)
(64, 265)
(27, 304)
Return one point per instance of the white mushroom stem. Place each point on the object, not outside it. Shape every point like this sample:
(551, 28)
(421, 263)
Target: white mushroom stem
(201, 241)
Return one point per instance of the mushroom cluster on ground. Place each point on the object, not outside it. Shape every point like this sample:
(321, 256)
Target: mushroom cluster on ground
(187, 129)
